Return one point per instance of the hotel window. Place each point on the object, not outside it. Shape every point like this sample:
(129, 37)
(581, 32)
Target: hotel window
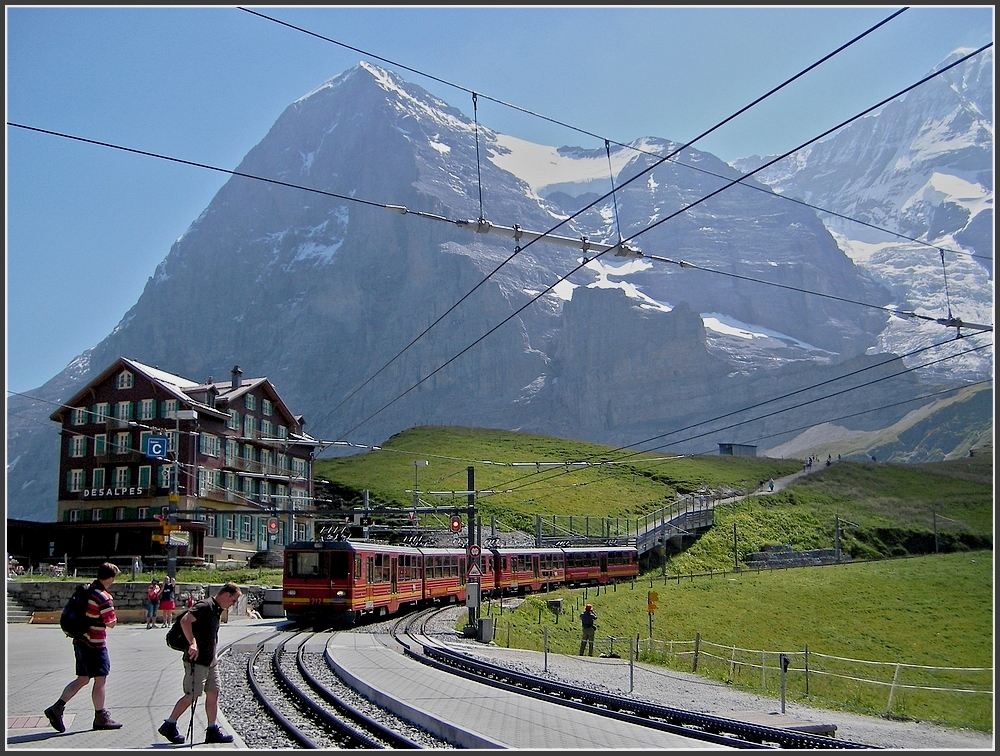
(266, 407)
(123, 410)
(101, 411)
(233, 421)
(119, 513)
(265, 491)
(250, 426)
(95, 515)
(172, 439)
(74, 515)
(250, 402)
(230, 481)
(232, 451)
(169, 407)
(74, 480)
(125, 380)
(163, 475)
(282, 462)
(211, 526)
(266, 428)
(147, 409)
(78, 416)
(229, 526)
(145, 473)
(282, 431)
(247, 532)
(210, 445)
(298, 467)
(100, 444)
(78, 446)
(123, 477)
(97, 476)
(123, 442)
(266, 460)
(143, 513)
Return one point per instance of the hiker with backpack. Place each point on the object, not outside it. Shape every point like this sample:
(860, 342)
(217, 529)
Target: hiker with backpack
(200, 626)
(91, 650)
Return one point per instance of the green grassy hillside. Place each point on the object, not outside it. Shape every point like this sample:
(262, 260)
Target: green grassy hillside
(884, 509)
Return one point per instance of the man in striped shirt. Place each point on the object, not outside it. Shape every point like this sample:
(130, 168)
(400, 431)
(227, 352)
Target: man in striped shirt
(92, 660)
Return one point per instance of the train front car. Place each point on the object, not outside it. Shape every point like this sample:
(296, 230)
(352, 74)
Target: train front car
(317, 583)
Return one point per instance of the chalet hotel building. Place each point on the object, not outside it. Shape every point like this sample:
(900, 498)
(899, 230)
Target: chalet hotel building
(243, 465)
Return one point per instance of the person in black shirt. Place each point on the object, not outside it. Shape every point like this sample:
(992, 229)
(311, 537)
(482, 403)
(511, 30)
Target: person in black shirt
(589, 628)
(201, 630)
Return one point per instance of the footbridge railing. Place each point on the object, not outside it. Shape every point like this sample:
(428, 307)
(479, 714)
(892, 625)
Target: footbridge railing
(686, 516)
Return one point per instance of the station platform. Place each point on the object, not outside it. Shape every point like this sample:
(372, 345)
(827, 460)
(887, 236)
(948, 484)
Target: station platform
(144, 684)
(488, 717)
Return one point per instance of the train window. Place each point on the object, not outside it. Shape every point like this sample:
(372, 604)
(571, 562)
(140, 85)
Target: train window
(357, 567)
(304, 564)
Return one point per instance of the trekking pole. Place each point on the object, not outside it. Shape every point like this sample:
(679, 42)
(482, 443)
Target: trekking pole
(194, 705)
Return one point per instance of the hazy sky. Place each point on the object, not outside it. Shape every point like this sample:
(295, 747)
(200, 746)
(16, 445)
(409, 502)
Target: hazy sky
(87, 225)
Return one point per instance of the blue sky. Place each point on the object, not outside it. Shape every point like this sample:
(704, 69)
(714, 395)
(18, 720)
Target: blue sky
(87, 226)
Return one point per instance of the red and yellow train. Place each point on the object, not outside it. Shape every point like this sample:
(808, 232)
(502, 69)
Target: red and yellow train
(342, 581)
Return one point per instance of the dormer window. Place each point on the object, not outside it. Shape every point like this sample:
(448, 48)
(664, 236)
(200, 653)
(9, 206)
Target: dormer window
(125, 380)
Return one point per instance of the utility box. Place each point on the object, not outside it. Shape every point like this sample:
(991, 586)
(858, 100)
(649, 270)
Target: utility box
(555, 606)
(484, 632)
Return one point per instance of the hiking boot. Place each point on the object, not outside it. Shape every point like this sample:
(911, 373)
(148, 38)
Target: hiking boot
(103, 721)
(214, 735)
(55, 715)
(169, 731)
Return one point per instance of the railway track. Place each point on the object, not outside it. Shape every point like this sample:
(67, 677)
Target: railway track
(411, 635)
(295, 690)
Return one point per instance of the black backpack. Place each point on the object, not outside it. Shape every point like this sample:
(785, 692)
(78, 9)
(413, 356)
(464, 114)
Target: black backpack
(74, 620)
(175, 636)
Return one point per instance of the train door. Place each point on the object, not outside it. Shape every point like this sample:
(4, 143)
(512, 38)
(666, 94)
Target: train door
(393, 583)
(369, 581)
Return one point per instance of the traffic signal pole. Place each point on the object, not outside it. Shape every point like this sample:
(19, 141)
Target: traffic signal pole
(471, 513)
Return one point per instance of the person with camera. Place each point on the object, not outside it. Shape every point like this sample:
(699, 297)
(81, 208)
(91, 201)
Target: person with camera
(588, 622)
(200, 626)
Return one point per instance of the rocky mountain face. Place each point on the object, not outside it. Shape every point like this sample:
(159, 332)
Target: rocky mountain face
(349, 305)
(921, 167)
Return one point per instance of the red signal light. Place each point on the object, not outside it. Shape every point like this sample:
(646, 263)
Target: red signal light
(456, 523)
(272, 525)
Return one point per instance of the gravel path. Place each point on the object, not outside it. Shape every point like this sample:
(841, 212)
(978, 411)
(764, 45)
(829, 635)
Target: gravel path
(691, 692)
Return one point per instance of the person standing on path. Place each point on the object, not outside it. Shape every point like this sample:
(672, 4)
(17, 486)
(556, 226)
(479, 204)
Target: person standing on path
(587, 620)
(770, 484)
(201, 630)
(152, 601)
(91, 651)
(167, 601)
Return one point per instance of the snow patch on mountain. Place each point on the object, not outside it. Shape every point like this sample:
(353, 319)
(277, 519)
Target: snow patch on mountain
(540, 166)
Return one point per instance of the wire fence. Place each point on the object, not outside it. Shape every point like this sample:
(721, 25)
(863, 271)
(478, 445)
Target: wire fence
(952, 696)
(890, 689)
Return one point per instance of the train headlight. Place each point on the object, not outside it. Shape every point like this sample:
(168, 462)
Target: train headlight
(340, 594)
(291, 592)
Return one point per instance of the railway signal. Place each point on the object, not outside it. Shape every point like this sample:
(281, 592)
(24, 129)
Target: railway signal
(272, 526)
(456, 523)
